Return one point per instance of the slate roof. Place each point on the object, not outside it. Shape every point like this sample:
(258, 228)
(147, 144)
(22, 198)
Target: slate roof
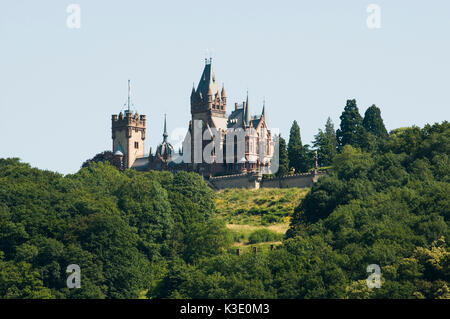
(141, 164)
(208, 80)
(236, 118)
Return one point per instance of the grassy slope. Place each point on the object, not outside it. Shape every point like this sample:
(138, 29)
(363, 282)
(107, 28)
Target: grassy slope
(246, 210)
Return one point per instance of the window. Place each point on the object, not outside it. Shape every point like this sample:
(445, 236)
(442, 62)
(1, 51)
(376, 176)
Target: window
(136, 144)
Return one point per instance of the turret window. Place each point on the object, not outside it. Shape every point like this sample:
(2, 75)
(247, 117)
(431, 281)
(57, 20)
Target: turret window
(136, 145)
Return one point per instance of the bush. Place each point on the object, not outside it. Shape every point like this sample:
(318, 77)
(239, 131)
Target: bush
(264, 235)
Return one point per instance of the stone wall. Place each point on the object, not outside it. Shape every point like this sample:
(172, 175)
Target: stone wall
(235, 181)
(255, 181)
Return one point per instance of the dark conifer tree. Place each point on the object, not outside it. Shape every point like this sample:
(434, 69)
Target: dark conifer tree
(283, 168)
(330, 132)
(373, 122)
(326, 149)
(295, 147)
(351, 129)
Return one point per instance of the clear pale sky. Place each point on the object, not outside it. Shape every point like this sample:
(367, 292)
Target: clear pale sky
(59, 86)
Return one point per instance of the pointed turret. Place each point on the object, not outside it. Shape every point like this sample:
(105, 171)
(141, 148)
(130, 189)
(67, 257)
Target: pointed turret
(263, 113)
(223, 92)
(165, 149)
(208, 81)
(247, 112)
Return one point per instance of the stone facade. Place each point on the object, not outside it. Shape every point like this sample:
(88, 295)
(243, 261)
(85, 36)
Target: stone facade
(128, 135)
(208, 118)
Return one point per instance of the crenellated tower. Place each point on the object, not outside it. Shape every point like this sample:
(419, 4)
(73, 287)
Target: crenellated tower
(128, 134)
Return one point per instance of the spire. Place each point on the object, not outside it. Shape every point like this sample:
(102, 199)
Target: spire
(165, 135)
(247, 112)
(263, 113)
(193, 90)
(222, 94)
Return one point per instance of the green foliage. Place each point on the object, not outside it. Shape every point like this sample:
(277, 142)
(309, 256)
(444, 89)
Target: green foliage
(301, 157)
(263, 235)
(103, 157)
(18, 280)
(330, 132)
(295, 147)
(385, 207)
(326, 144)
(326, 149)
(283, 168)
(351, 128)
(121, 228)
(158, 234)
(373, 123)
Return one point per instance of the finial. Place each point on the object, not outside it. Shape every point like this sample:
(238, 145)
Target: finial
(165, 127)
(129, 94)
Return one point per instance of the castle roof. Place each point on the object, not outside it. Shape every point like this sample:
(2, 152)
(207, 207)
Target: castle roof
(208, 81)
(119, 151)
(236, 118)
(241, 116)
(165, 149)
(141, 164)
(255, 122)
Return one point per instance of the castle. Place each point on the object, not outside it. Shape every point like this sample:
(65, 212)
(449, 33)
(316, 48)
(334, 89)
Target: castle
(229, 151)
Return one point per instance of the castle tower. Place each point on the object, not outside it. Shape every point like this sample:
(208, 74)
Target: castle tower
(208, 102)
(128, 133)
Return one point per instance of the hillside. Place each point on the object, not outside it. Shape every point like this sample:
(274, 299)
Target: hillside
(163, 235)
(248, 210)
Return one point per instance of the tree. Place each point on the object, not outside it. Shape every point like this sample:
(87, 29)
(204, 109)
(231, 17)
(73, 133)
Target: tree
(307, 159)
(301, 158)
(373, 122)
(351, 128)
(283, 168)
(106, 156)
(325, 144)
(295, 148)
(330, 132)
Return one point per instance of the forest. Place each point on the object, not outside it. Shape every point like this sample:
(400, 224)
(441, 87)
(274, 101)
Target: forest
(156, 234)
